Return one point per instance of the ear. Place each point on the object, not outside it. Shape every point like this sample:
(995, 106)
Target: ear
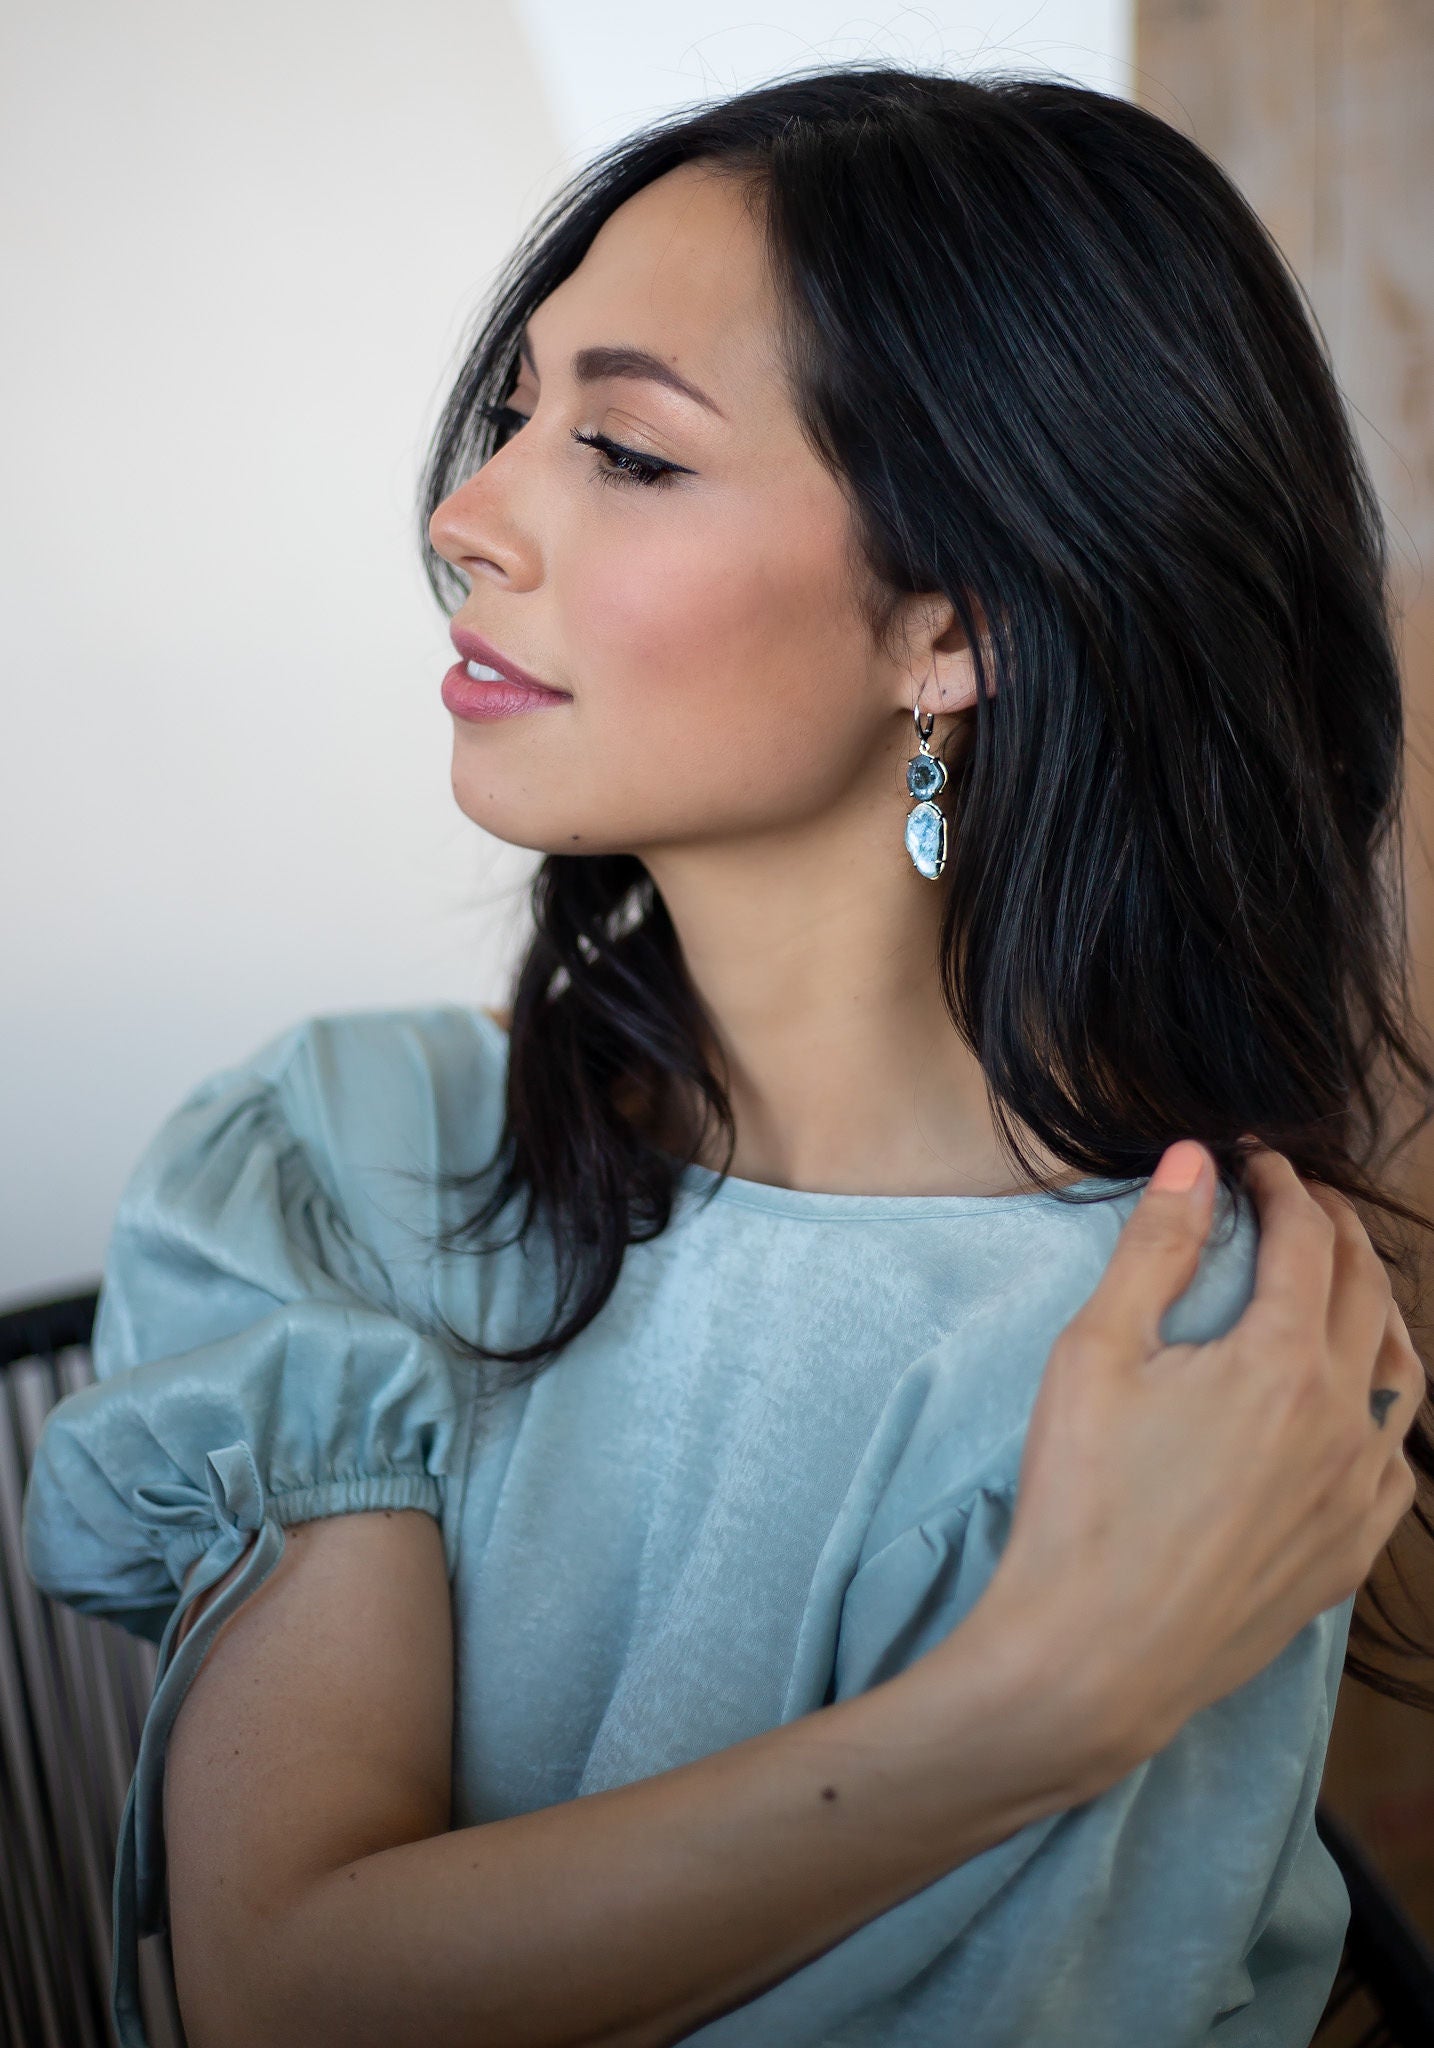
(939, 672)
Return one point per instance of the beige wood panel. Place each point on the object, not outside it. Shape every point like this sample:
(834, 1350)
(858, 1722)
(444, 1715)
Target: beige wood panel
(1322, 111)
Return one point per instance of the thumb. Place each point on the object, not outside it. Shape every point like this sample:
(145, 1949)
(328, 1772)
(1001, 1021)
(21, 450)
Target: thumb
(1156, 1253)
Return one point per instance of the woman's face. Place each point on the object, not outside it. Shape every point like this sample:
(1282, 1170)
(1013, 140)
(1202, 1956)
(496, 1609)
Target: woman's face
(722, 683)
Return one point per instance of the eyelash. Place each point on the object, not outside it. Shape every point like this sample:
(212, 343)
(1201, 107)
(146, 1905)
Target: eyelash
(626, 465)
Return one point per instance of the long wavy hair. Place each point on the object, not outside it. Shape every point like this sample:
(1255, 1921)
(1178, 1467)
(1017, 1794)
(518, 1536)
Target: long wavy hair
(1111, 436)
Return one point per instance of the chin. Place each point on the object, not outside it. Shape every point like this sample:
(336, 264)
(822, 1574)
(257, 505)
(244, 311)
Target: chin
(547, 828)
(534, 835)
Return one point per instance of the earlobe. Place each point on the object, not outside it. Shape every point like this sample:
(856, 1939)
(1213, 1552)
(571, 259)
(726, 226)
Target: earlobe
(941, 646)
(960, 695)
(952, 685)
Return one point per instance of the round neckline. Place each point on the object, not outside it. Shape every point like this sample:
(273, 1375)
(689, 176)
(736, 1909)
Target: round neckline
(697, 1180)
(824, 1202)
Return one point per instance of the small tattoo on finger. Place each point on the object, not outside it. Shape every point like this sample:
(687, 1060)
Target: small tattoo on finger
(1381, 1401)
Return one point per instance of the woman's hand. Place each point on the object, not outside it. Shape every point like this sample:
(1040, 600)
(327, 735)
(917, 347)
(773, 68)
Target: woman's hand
(1184, 1510)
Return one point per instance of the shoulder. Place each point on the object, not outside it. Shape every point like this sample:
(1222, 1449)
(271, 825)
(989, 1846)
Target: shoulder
(381, 1101)
(333, 1057)
(955, 1423)
(422, 1086)
(319, 1152)
(263, 1317)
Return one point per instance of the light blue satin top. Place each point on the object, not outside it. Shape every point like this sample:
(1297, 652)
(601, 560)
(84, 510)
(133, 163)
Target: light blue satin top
(778, 1467)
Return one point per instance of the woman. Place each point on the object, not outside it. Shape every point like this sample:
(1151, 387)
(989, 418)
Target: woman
(901, 1594)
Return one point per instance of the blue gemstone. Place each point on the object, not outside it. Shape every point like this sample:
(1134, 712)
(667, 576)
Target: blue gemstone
(925, 775)
(926, 840)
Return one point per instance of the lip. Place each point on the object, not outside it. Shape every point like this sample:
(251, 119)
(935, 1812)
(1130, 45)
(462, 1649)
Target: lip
(466, 698)
(473, 647)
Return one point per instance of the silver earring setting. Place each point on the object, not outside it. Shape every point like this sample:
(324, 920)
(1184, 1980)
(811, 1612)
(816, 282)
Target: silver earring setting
(926, 826)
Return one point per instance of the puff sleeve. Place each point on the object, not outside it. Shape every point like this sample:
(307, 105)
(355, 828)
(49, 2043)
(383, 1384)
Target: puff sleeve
(1191, 1903)
(253, 1370)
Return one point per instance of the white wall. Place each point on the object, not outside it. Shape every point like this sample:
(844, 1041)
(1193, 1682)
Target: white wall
(607, 67)
(241, 247)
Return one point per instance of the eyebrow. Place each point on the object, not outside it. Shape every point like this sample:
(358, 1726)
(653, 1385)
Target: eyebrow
(592, 365)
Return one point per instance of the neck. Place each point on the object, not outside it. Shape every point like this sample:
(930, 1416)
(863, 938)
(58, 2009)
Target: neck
(819, 982)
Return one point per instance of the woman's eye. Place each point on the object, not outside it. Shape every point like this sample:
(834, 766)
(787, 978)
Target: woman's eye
(625, 465)
(619, 465)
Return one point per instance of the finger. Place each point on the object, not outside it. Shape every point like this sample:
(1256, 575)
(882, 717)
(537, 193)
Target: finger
(1397, 1492)
(1360, 1296)
(1294, 1260)
(1154, 1259)
(1398, 1389)
(1398, 1369)
(1364, 1316)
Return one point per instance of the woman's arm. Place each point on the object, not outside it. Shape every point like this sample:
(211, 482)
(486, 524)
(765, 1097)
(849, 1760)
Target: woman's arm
(627, 1916)
(336, 1909)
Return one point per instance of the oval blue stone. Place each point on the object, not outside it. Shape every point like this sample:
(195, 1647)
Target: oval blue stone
(925, 775)
(926, 840)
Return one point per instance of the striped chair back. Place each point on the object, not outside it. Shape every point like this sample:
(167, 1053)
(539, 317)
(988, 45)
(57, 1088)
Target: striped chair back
(73, 1693)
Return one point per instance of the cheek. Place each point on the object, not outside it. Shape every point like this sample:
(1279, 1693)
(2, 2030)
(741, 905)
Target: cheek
(727, 632)
(718, 675)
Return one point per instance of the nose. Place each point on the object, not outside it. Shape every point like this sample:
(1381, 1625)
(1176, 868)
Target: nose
(475, 529)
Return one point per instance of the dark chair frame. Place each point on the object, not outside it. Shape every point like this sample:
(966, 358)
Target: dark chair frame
(74, 1688)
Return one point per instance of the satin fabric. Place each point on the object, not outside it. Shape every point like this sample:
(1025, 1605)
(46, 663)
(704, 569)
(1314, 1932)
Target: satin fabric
(778, 1467)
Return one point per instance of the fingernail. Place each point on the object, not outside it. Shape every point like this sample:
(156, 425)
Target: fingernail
(1181, 1165)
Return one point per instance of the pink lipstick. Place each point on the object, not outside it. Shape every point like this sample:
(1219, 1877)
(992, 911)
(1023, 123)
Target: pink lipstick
(488, 684)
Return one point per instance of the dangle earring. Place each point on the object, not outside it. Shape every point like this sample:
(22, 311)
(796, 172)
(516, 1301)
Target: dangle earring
(925, 826)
